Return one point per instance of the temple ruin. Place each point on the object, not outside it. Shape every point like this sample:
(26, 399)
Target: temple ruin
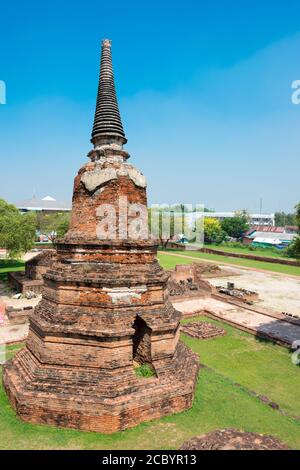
(32, 279)
(105, 303)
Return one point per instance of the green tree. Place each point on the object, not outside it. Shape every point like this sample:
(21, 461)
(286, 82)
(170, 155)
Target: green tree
(213, 232)
(294, 248)
(17, 231)
(282, 219)
(235, 226)
(163, 224)
(62, 228)
(54, 225)
(297, 216)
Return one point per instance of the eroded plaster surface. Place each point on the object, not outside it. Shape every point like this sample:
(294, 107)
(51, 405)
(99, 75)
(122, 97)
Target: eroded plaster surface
(125, 294)
(99, 176)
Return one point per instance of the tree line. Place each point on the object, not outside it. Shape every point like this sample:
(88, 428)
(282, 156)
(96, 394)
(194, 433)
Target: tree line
(18, 231)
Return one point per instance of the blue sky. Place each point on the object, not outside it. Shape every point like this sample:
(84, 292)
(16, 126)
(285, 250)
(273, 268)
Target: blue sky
(204, 91)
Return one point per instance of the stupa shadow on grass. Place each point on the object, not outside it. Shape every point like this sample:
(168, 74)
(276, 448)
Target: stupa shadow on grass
(104, 306)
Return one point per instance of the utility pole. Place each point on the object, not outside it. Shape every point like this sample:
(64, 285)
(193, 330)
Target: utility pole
(260, 205)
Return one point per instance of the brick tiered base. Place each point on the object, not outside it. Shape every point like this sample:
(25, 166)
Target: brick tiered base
(104, 307)
(79, 402)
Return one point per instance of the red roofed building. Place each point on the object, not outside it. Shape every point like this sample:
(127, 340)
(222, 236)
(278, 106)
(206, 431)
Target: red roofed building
(269, 236)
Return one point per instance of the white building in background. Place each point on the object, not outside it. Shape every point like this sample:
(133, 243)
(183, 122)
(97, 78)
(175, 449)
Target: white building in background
(255, 219)
(47, 204)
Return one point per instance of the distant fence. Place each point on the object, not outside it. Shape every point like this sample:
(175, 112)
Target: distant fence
(180, 246)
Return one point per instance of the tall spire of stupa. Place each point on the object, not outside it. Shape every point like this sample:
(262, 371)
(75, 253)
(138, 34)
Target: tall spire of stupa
(108, 128)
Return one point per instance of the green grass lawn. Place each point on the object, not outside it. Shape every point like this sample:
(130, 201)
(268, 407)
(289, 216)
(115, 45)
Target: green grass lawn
(7, 265)
(218, 403)
(169, 262)
(256, 364)
(269, 253)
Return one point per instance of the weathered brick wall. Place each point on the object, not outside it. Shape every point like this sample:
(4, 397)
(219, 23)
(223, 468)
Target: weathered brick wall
(86, 203)
(22, 284)
(38, 266)
(77, 367)
(187, 279)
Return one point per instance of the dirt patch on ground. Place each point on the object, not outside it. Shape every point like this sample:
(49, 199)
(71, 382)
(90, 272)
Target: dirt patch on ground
(232, 439)
(276, 293)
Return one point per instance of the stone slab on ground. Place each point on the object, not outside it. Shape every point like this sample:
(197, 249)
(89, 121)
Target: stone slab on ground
(256, 323)
(202, 330)
(232, 439)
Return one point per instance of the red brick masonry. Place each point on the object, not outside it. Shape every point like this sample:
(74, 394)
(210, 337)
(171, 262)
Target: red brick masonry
(105, 304)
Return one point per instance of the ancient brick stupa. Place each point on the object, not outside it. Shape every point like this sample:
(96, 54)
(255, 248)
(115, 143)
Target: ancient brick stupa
(105, 306)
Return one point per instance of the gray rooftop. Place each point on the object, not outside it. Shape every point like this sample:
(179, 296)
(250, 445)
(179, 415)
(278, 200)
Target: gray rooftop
(47, 203)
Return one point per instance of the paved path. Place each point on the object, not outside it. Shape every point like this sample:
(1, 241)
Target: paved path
(13, 333)
(254, 322)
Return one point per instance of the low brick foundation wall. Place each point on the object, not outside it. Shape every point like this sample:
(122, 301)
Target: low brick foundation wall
(175, 246)
(18, 315)
(287, 262)
(18, 281)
